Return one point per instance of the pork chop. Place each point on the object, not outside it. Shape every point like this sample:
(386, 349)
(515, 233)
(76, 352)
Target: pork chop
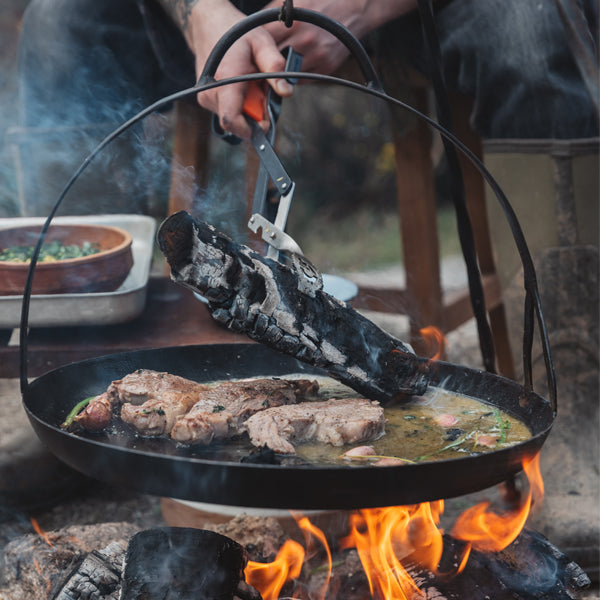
(222, 411)
(135, 388)
(143, 385)
(157, 416)
(336, 422)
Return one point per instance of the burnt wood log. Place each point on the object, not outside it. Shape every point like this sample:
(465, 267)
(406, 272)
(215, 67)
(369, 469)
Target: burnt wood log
(261, 297)
(32, 568)
(531, 568)
(97, 577)
(182, 563)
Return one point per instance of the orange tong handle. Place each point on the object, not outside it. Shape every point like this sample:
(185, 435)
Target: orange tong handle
(254, 102)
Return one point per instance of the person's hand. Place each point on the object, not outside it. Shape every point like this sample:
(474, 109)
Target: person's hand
(254, 52)
(322, 52)
(205, 23)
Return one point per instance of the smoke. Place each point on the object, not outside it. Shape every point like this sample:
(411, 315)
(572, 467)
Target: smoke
(13, 524)
(10, 14)
(57, 103)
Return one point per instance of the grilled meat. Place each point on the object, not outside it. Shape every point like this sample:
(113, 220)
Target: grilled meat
(158, 415)
(143, 385)
(135, 388)
(222, 411)
(336, 422)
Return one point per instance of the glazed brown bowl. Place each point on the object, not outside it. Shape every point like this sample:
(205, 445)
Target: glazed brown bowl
(103, 271)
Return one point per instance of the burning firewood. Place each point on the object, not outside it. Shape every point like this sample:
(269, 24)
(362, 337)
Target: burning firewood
(263, 299)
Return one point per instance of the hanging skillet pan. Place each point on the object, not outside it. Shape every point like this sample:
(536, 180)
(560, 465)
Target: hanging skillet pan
(217, 475)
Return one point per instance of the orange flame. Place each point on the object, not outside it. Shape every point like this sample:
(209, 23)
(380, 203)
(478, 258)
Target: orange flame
(269, 578)
(311, 531)
(380, 538)
(436, 341)
(384, 537)
(491, 532)
(40, 532)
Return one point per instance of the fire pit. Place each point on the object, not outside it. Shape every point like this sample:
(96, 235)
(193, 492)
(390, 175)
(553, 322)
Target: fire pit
(113, 561)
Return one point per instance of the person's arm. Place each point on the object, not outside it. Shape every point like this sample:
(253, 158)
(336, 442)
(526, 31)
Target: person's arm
(203, 23)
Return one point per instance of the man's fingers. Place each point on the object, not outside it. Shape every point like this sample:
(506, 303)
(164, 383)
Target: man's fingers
(230, 102)
(256, 51)
(269, 59)
(283, 87)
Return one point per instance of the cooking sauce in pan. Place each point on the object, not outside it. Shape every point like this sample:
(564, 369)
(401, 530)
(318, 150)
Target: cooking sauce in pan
(436, 426)
(439, 425)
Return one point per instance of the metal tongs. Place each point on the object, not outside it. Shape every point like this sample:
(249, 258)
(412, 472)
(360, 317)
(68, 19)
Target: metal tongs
(280, 245)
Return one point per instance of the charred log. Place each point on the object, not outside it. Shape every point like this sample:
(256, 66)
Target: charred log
(531, 568)
(32, 568)
(184, 564)
(263, 299)
(97, 576)
(262, 537)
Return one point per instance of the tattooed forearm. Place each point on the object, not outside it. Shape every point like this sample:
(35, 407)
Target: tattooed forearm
(179, 10)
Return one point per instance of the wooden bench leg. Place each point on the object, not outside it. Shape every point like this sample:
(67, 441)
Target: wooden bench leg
(190, 149)
(418, 225)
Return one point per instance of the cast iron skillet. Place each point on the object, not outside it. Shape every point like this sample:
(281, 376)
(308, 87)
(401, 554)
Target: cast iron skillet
(158, 467)
(217, 476)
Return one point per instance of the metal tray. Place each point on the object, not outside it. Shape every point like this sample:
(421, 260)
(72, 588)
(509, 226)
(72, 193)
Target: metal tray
(123, 304)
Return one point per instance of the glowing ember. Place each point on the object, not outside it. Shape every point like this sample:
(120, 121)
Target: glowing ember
(39, 571)
(435, 340)
(384, 537)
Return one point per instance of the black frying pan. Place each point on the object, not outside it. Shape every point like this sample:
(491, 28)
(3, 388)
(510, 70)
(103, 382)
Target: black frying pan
(217, 476)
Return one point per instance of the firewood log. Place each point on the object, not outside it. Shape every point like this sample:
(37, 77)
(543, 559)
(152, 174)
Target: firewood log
(262, 298)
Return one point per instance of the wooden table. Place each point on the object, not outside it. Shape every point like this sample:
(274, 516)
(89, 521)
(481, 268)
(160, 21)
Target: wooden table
(172, 317)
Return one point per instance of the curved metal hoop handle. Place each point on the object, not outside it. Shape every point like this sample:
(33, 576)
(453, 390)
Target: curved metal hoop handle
(272, 15)
(532, 307)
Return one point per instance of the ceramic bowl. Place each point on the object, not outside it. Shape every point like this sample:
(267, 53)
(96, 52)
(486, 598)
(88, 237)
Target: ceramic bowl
(103, 271)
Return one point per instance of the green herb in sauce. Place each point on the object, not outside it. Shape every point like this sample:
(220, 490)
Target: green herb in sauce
(440, 425)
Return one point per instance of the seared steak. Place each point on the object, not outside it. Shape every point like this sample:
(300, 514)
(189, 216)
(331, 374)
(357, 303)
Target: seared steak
(143, 385)
(159, 404)
(157, 417)
(135, 388)
(337, 422)
(222, 411)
